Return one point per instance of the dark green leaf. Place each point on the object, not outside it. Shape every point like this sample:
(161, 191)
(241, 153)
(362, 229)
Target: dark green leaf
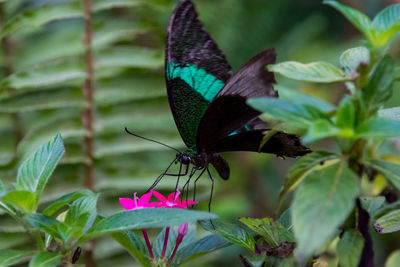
(10, 257)
(134, 57)
(2, 189)
(386, 24)
(321, 204)
(320, 129)
(388, 223)
(378, 128)
(372, 204)
(25, 200)
(303, 166)
(35, 171)
(44, 223)
(358, 19)
(321, 72)
(207, 244)
(273, 232)
(64, 200)
(349, 248)
(256, 261)
(389, 169)
(99, 5)
(146, 218)
(45, 259)
(134, 245)
(231, 232)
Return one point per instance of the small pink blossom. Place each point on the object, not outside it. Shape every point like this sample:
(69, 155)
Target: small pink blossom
(173, 200)
(183, 228)
(139, 203)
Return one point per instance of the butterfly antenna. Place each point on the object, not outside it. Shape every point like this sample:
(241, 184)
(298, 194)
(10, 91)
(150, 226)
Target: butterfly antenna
(151, 140)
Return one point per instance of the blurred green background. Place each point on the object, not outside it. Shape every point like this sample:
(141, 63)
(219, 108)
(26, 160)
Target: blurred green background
(42, 69)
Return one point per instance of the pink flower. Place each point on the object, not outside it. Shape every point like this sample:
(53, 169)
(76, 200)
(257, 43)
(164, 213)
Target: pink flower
(183, 228)
(139, 203)
(173, 200)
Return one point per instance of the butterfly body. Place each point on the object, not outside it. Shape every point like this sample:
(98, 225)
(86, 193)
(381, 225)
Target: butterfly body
(208, 102)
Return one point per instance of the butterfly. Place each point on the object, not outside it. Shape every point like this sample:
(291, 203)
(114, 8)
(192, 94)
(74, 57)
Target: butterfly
(208, 102)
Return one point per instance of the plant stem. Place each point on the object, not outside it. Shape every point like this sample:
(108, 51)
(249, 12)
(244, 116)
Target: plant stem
(39, 241)
(165, 242)
(88, 91)
(146, 238)
(178, 242)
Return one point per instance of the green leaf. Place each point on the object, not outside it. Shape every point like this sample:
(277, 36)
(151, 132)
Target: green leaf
(321, 72)
(45, 259)
(231, 232)
(346, 114)
(388, 223)
(146, 218)
(320, 129)
(378, 128)
(10, 257)
(390, 113)
(2, 189)
(380, 85)
(358, 19)
(48, 99)
(99, 5)
(38, 17)
(321, 204)
(64, 200)
(299, 115)
(273, 232)
(389, 169)
(298, 97)
(393, 259)
(134, 57)
(36, 170)
(256, 261)
(297, 173)
(351, 59)
(205, 245)
(44, 223)
(372, 204)
(386, 24)
(25, 200)
(134, 245)
(350, 248)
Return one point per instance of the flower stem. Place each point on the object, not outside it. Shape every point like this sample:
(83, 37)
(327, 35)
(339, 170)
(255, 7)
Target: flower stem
(178, 242)
(146, 238)
(165, 242)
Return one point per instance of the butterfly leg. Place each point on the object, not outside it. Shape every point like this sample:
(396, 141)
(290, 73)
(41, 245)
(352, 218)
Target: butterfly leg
(186, 186)
(212, 189)
(158, 179)
(195, 183)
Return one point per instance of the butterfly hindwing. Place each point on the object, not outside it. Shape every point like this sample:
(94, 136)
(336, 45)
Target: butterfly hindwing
(196, 70)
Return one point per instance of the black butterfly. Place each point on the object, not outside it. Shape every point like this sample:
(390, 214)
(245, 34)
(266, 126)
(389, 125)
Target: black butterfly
(209, 103)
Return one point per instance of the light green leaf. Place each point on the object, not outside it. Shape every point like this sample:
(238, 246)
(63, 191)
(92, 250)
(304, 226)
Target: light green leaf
(35, 171)
(378, 128)
(133, 57)
(320, 129)
(372, 204)
(346, 114)
(386, 24)
(231, 232)
(10, 257)
(389, 169)
(99, 5)
(299, 115)
(64, 200)
(2, 189)
(45, 259)
(388, 223)
(358, 19)
(390, 113)
(321, 204)
(321, 72)
(44, 223)
(134, 245)
(61, 98)
(353, 57)
(38, 17)
(273, 232)
(25, 200)
(146, 218)
(297, 173)
(298, 97)
(200, 247)
(350, 248)
(393, 259)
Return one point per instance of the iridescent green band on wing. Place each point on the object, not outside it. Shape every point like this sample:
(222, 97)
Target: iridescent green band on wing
(202, 82)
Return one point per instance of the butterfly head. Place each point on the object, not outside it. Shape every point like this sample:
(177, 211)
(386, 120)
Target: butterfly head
(183, 158)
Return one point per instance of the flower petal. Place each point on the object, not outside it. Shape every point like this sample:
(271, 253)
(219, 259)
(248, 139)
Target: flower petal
(174, 197)
(186, 203)
(183, 228)
(144, 200)
(128, 203)
(158, 195)
(155, 205)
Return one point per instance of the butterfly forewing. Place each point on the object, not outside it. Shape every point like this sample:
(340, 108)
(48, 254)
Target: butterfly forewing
(196, 70)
